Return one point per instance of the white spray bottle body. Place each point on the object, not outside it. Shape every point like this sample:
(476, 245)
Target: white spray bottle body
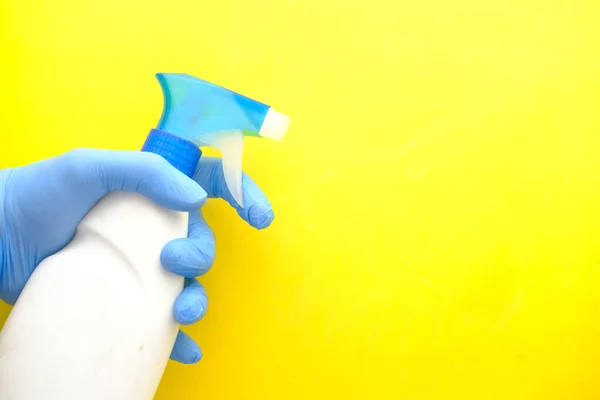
(95, 320)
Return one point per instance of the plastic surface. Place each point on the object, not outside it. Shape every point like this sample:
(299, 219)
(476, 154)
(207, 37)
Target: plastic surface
(275, 125)
(194, 107)
(117, 348)
(64, 298)
(122, 344)
(180, 153)
(210, 115)
(124, 308)
(231, 146)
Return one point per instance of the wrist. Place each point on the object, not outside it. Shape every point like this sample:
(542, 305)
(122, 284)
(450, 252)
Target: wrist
(3, 178)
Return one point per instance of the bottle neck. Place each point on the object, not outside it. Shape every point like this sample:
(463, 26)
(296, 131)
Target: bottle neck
(180, 153)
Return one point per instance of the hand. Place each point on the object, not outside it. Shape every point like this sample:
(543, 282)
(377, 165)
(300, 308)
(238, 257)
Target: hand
(41, 205)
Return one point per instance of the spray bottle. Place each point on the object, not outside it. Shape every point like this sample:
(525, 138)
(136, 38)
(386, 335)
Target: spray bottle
(111, 338)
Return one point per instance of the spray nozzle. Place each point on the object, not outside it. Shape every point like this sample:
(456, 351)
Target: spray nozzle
(209, 115)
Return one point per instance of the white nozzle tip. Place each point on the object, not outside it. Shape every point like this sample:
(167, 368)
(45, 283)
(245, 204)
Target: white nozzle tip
(275, 125)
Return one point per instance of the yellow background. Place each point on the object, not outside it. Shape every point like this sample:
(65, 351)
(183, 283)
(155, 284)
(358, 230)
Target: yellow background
(437, 199)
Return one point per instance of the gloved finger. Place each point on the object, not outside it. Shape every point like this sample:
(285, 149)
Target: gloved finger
(194, 255)
(257, 210)
(103, 171)
(185, 350)
(190, 306)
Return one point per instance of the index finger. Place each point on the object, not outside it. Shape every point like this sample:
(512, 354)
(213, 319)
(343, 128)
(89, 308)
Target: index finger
(257, 211)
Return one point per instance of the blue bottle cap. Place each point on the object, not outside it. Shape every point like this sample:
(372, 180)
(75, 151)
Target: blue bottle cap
(180, 153)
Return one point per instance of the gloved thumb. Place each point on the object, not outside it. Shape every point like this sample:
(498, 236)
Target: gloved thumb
(104, 171)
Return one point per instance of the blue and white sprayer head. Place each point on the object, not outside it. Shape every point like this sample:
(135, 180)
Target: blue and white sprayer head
(198, 113)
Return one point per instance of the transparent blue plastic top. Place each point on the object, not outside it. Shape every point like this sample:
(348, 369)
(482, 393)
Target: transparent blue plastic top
(198, 113)
(194, 107)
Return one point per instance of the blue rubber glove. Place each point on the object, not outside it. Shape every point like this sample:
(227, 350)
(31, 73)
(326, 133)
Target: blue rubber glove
(41, 205)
